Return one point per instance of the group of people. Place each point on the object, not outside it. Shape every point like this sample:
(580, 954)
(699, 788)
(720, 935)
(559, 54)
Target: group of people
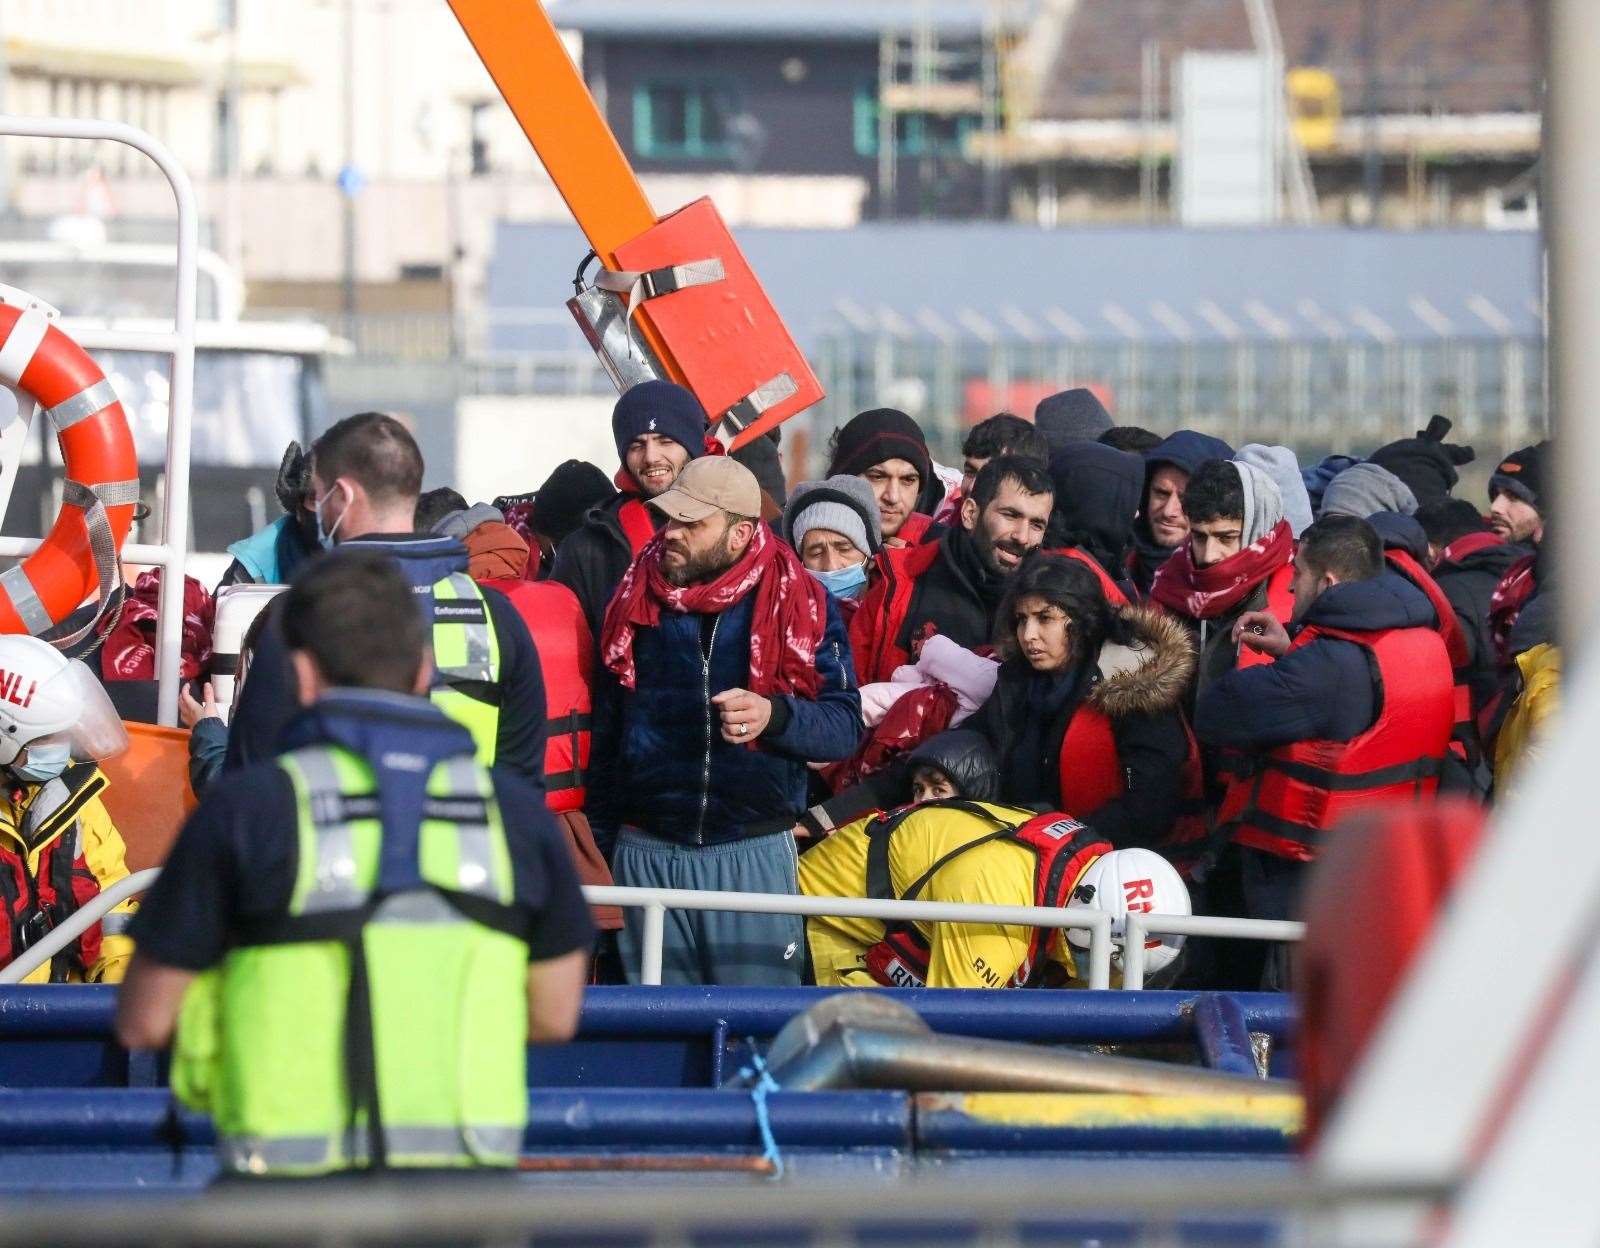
(1093, 667)
(892, 681)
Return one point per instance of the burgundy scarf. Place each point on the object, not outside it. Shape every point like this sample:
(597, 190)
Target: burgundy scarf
(789, 616)
(1207, 593)
(1506, 603)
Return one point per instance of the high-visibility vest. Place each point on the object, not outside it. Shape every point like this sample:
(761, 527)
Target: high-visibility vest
(466, 659)
(365, 1029)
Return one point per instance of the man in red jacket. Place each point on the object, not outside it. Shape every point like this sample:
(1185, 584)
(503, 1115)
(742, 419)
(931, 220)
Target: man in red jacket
(952, 587)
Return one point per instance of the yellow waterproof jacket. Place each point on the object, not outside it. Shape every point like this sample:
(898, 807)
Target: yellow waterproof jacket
(964, 955)
(39, 824)
(1527, 724)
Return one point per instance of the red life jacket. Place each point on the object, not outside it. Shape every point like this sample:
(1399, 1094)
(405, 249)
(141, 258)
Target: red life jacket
(637, 526)
(1280, 601)
(1063, 850)
(1091, 774)
(1113, 592)
(1465, 743)
(566, 659)
(36, 902)
(883, 610)
(1292, 794)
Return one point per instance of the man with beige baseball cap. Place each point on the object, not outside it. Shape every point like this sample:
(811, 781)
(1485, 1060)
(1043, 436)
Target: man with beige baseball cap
(726, 667)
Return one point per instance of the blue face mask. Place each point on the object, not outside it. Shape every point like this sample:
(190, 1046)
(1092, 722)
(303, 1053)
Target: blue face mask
(45, 762)
(845, 582)
(325, 537)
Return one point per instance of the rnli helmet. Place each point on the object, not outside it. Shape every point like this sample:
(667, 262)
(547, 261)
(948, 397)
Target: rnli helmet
(52, 704)
(1138, 880)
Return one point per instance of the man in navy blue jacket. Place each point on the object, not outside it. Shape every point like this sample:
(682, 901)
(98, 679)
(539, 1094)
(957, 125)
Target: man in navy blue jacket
(1365, 666)
(726, 667)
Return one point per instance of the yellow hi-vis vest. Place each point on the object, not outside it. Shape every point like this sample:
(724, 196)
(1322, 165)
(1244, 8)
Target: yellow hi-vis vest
(365, 1030)
(466, 658)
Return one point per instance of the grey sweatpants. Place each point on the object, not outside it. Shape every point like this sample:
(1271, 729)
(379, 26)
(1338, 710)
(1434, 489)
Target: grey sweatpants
(708, 946)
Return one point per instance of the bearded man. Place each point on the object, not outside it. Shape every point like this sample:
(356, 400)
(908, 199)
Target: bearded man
(725, 668)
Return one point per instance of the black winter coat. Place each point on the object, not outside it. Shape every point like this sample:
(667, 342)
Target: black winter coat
(592, 559)
(1141, 691)
(1469, 583)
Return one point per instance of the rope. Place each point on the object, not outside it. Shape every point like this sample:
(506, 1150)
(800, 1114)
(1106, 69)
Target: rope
(764, 1084)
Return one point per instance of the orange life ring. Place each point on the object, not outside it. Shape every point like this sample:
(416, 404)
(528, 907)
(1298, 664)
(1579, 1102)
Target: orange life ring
(81, 552)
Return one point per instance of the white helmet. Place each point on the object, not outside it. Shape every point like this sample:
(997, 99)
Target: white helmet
(53, 706)
(1133, 879)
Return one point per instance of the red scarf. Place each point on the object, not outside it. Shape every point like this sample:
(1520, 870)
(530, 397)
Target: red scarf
(1506, 604)
(786, 625)
(1208, 593)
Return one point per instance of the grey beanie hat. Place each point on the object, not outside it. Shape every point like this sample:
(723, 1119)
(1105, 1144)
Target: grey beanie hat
(1363, 489)
(842, 504)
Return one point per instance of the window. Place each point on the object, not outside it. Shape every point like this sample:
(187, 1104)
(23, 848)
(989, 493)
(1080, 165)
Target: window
(683, 119)
(915, 134)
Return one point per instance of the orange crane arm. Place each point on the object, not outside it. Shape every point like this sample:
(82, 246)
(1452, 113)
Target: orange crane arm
(523, 53)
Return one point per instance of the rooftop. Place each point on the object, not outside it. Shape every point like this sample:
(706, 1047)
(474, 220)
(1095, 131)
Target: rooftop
(1459, 56)
(817, 20)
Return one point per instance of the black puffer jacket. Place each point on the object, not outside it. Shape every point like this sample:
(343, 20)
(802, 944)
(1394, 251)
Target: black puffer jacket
(963, 756)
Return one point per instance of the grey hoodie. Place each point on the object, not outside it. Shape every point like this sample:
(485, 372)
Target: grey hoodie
(1279, 463)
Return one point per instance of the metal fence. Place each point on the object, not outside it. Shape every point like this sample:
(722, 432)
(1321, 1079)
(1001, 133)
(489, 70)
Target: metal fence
(1312, 395)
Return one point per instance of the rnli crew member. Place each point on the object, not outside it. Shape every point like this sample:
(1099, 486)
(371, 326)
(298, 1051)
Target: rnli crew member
(1357, 707)
(983, 853)
(658, 427)
(362, 935)
(889, 451)
(58, 845)
(725, 669)
(367, 475)
(952, 587)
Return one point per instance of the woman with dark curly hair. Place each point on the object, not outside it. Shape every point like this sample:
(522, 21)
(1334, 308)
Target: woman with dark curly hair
(1086, 716)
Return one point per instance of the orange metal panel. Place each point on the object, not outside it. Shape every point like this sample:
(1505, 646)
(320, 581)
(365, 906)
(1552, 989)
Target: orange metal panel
(520, 48)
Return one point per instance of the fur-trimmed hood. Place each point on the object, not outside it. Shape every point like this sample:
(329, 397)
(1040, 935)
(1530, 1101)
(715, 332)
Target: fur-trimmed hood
(1151, 672)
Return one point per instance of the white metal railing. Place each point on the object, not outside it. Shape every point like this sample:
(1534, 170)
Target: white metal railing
(1138, 927)
(655, 902)
(85, 917)
(172, 551)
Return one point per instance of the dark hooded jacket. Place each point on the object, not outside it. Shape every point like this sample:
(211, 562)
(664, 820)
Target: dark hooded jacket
(966, 759)
(1469, 580)
(1324, 691)
(1139, 687)
(591, 561)
(1186, 449)
(1097, 495)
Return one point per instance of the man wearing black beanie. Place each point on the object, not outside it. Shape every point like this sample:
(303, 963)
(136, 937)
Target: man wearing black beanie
(1517, 499)
(888, 449)
(658, 427)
